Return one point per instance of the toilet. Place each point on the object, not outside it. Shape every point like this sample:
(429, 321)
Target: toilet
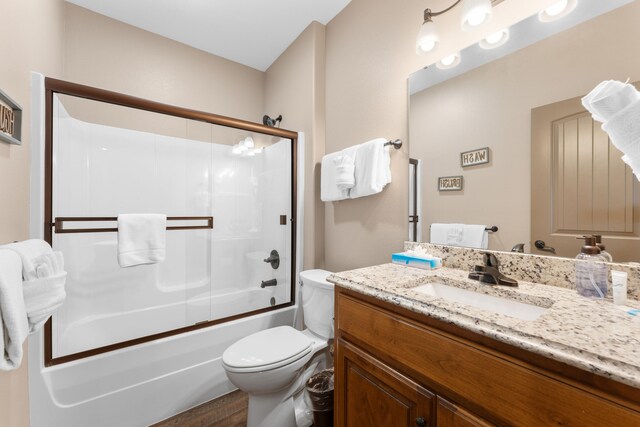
(273, 365)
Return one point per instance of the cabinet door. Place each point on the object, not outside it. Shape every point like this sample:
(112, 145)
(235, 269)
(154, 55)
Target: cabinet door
(450, 415)
(370, 393)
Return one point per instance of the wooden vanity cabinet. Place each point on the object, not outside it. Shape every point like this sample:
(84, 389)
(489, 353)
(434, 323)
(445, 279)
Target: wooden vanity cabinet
(376, 395)
(394, 367)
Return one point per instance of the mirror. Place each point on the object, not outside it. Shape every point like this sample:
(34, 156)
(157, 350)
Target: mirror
(488, 101)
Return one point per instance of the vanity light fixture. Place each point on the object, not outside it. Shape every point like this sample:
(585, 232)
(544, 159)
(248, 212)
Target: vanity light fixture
(474, 14)
(449, 61)
(557, 10)
(495, 40)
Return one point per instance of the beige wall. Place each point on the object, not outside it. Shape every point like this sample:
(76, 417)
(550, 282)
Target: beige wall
(109, 54)
(491, 106)
(31, 39)
(294, 87)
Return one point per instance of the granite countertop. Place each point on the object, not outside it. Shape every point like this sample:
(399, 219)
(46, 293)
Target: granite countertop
(593, 335)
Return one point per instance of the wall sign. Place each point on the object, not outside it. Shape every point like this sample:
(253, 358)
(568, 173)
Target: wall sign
(450, 183)
(474, 157)
(10, 120)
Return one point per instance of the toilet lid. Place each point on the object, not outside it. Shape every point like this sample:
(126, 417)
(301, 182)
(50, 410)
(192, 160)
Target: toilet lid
(268, 349)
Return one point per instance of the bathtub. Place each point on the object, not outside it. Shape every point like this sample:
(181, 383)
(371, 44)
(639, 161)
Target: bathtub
(98, 330)
(143, 384)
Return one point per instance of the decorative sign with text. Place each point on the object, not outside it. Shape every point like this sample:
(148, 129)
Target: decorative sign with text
(10, 120)
(450, 183)
(474, 157)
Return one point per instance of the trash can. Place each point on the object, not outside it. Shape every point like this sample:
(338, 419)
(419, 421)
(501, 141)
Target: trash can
(320, 391)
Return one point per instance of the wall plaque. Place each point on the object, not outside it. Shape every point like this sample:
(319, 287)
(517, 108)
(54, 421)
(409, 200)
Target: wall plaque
(10, 120)
(474, 157)
(450, 183)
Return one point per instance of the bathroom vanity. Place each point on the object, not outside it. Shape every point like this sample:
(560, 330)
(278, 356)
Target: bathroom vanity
(408, 353)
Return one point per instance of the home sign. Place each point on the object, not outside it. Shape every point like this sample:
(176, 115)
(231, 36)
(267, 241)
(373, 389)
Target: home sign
(10, 120)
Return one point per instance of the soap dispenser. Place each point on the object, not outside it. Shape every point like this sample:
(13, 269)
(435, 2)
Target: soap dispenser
(603, 252)
(591, 270)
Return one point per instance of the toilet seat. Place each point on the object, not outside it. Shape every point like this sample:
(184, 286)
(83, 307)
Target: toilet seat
(266, 350)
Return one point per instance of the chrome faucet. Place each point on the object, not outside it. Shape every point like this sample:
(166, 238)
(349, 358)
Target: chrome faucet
(489, 272)
(518, 247)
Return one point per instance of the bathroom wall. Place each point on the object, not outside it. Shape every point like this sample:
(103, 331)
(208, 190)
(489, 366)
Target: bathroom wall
(31, 39)
(109, 54)
(294, 87)
(370, 53)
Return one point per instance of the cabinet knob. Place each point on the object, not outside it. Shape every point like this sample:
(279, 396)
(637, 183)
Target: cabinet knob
(421, 422)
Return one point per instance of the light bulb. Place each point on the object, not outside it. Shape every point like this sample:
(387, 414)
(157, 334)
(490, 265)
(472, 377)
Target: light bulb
(476, 17)
(449, 61)
(248, 141)
(427, 38)
(236, 150)
(475, 13)
(495, 40)
(495, 37)
(556, 8)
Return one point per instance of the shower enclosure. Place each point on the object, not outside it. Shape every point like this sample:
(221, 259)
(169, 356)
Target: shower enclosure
(228, 188)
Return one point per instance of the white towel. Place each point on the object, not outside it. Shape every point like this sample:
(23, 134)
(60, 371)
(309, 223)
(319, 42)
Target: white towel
(329, 190)
(43, 280)
(624, 130)
(438, 233)
(13, 316)
(345, 168)
(471, 236)
(446, 234)
(475, 236)
(141, 239)
(373, 170)
(29, 251)
(44, 295)
(609, 97)
(617, 105)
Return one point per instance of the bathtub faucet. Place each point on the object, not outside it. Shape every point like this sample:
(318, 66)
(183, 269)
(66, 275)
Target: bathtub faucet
(272, 282)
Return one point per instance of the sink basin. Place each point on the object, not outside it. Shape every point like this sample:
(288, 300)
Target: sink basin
(505, 306)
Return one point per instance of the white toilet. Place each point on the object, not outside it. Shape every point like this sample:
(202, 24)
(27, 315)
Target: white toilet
(273, 365)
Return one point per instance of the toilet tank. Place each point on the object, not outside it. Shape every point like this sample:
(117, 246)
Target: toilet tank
(317, 302)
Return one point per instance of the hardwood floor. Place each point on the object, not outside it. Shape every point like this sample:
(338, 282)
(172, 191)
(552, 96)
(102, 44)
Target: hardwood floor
(227, 411)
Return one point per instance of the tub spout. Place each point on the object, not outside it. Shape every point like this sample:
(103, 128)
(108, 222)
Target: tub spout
(272, 282)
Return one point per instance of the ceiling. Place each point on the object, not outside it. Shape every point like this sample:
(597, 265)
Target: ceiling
(251, 32)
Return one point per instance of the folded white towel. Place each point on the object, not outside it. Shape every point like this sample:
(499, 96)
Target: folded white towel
(475, 236)
(609, 97)
(13, 316)
(465, 235)
(29, 251)
(141, 239)
(43, 280)
(373, 170)
(439, 233)
(624, 129)
(454, 234)
(329, 190)
(345, 168)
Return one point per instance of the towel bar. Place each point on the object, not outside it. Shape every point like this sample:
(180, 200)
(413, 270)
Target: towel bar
(58, 224)
(396, 144)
